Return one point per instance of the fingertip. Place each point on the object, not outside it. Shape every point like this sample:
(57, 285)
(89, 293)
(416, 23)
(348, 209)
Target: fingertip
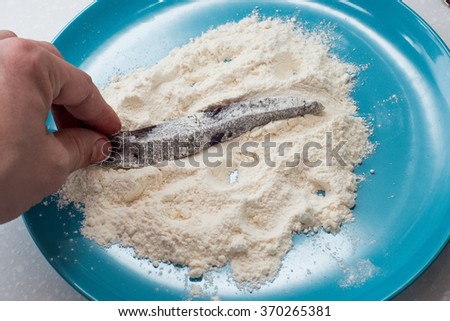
(102, 150)
(111, 123)
(76, 148)
(117, 126)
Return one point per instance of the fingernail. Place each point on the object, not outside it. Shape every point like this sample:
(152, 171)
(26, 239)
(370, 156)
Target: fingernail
(102, 149)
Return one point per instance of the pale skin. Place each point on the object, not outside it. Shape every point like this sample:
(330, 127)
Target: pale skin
(35, 79)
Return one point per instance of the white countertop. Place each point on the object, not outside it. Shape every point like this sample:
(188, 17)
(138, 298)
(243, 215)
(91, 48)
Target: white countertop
(24, 272)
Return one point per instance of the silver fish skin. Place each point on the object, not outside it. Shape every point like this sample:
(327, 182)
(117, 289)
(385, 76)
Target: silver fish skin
(186, 136)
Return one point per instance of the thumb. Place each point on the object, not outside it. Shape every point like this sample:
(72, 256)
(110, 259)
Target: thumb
(82, 147)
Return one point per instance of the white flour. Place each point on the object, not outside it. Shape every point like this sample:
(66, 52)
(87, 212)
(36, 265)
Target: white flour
(196, 217)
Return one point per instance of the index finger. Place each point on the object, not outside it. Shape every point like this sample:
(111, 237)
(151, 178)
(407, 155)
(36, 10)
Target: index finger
(74, 89)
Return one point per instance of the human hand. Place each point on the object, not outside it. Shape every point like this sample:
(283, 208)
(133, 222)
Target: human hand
(34, 79)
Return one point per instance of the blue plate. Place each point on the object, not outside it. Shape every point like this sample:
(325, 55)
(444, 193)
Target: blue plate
(403, 211)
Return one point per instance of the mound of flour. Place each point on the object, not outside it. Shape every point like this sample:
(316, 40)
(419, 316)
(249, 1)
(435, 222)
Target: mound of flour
(197, 216)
